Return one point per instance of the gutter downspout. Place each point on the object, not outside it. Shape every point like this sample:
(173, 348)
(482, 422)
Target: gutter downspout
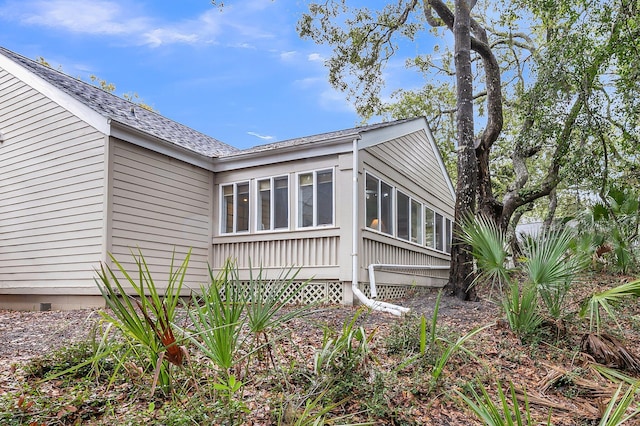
(373, 304)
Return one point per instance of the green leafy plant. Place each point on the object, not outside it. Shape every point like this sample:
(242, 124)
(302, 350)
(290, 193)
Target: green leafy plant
(265, 301)
(489, 247)
(520, 304)
(344, 355)
(549, 267)
(506, 412)
(616, 411)
(546, 265)
(604, 301)
(348, 349)
(145, 321)
(228, 389)
(217, 317)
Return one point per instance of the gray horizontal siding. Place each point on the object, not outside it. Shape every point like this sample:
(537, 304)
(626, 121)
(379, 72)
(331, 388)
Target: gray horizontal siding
(51, 194)
(160, 205)
(411, 163)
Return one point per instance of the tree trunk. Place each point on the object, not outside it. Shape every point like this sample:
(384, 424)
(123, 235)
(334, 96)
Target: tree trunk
(461, 272)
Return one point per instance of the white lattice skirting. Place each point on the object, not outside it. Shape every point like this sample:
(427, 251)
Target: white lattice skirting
(332, 292)
(314, 292)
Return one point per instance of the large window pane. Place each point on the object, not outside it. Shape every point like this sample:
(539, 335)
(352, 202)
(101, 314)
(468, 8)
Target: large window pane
(235, 207)
(429, 228)
(386, 208)
(264, 204)
(242, 223)
(402, 216)
(227, 207)
(371, 202)
(439, 233)
(416, 222)
(325, 197)
(281, 202)
(448, 235)
(305, 200)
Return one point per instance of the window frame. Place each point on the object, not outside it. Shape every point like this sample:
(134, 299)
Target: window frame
(315, 205)
(391, 231)
(272, 204)
(441, 224)
(235, 198)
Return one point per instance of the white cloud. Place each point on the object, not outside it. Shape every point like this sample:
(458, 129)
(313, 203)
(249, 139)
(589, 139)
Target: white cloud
(286, 56)
(87, 17)
(121, 18)
(263, 137)
(315, 57)
(161, 36)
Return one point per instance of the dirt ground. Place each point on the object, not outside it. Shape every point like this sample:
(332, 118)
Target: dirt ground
(547, 371)
(26, 334)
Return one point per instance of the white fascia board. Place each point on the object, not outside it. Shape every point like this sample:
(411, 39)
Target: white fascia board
(384, 134)
(377, 136)
(83, 112)
(161, 146)
(288, 153)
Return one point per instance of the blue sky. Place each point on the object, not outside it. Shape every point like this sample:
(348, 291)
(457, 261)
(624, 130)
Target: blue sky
(240, 74)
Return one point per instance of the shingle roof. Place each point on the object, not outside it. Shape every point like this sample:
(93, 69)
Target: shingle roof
(339, 134)
(120, 110)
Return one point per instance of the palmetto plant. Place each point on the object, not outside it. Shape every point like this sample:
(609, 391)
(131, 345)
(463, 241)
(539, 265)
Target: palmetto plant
(546, 266)
(616, 412)
(506, 412)
(604, 301)
(266, 299)
(217, 318)
(549, 268)
(490, 249)
(146, 320)
(602, 346)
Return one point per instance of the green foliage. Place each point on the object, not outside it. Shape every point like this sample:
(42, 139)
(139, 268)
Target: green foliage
(217, 318)
(141, 323)
(489, 248)
(234, 408)
(616, 411)
(266, 299)
(549, 267)
(343, 356)
(506, 412)
(546, 265)
(604, 300)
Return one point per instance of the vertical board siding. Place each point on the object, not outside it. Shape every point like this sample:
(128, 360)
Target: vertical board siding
(51, 194)
(307, 252)
(160, 205)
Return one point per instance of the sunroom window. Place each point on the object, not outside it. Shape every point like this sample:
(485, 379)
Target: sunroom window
(378, 205)
(315, 198)
(416, 222)
(402, 216)
(429, 228)
(235, 207)
(439, 233)
(273, 203)
(409, 218)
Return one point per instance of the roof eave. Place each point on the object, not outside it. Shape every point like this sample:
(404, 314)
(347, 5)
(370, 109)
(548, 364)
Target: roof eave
(82, 111)
(286, 153)
(162, 146)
